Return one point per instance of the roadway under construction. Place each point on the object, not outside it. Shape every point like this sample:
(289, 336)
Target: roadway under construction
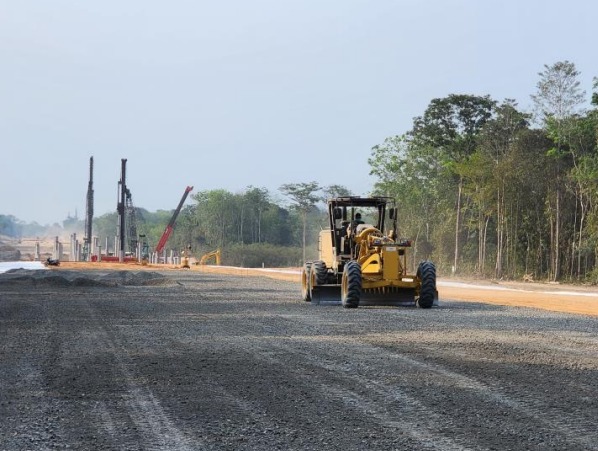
(188, 360)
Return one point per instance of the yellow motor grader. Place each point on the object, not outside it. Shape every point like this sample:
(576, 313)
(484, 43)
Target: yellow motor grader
(362, 263)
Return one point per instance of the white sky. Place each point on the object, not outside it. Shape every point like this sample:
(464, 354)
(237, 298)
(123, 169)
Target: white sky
(226, 94)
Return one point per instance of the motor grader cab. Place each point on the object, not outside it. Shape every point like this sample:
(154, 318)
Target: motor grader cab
(361, 260)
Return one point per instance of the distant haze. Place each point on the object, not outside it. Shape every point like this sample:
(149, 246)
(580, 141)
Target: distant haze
(235, 93)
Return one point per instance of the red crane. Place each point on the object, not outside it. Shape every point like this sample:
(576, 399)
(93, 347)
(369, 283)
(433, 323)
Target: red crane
(170, 226)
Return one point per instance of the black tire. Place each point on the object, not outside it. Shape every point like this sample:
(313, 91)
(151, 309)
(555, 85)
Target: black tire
(351, 285)
(305, 282)
(426, 273)
(320, 272)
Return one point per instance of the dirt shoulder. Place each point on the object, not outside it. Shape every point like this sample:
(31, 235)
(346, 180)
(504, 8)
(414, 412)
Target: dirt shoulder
(548, 297)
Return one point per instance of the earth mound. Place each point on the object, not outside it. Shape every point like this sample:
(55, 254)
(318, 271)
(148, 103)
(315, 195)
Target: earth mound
(59, 278)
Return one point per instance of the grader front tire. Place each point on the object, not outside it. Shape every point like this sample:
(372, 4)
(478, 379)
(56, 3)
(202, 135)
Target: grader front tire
(351, 285)
(426, 273)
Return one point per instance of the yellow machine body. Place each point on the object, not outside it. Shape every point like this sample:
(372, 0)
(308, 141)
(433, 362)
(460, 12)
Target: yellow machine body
(362, 262)
(206, 257)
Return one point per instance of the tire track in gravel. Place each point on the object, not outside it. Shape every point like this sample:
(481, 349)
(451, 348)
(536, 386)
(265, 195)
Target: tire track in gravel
(573, 429)
(228, 412)
(391, 407)
(425, 427)
(157, 430)
(365, 396)
(26, 404)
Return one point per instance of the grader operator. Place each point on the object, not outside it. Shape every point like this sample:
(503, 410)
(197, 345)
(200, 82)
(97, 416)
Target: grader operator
(363, 263)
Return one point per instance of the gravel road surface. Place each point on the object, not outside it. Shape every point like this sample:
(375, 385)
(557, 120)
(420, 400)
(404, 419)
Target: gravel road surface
(184, 360)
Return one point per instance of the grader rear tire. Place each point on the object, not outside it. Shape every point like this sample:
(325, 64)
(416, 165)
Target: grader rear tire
(351, 285)
(426, 272)
(305, 282)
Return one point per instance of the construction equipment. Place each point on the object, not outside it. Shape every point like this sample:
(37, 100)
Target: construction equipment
(359, 264)
(86, 254)
(131, 223)
(52, 262)
(171, 223)
(120, 208)
(214, 254)
(127, 219)
(185, 256)
(144, 254)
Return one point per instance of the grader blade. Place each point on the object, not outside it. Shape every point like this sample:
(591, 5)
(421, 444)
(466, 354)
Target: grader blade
(387, 298)
(326, 295)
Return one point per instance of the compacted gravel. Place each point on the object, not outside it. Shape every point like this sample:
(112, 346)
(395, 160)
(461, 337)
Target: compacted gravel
(182, 360)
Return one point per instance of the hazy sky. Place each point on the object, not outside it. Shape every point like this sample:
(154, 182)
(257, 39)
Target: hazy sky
(227, 94)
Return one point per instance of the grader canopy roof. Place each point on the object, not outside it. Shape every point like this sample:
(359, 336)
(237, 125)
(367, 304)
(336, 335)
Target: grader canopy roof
(360, 201)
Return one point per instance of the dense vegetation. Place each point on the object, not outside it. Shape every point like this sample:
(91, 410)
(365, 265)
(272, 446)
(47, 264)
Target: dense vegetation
(484, 188)
(249, 227)
(485, 192)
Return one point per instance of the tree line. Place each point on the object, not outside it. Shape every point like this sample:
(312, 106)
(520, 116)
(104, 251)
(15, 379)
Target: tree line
(488, 189)
(251, 228)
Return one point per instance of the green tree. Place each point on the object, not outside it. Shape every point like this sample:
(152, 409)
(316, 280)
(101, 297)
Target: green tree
(582, 141)
(412, 173)
(305, 197)
(527, 189)
(558, 98)
(559, 94)
(333, 191)
(258, 201)
(216, 212)
(105, 227)
(277, 226)
(186, 232)
(494, 166)
(452, 125)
